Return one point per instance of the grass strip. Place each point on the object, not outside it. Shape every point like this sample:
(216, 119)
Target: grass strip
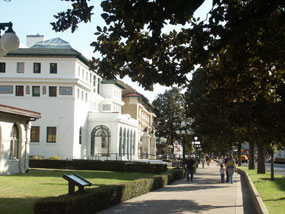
(19, 192)
(271, 192)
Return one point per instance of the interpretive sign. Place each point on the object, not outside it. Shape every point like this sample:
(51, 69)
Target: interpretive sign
(76, 180)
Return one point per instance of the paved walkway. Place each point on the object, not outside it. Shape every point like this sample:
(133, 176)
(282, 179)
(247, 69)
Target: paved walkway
(205, 194)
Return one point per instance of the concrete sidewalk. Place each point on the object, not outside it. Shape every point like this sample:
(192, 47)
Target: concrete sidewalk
(205, 194)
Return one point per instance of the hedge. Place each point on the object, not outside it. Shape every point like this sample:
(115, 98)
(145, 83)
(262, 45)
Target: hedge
(117, 166)
(96, 199)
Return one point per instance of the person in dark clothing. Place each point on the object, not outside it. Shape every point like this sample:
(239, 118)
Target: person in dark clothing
(190, 166)
(227, 174)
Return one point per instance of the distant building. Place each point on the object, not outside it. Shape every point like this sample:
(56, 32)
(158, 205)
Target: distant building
(139, 108)
(15, 124)
(81, 112)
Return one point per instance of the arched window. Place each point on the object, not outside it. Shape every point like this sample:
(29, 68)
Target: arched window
(80, 135)
(124, 142)
(128, 143)
(14, 144)
(134, 143)
(120, 142)
(131, 142)
(101, 134)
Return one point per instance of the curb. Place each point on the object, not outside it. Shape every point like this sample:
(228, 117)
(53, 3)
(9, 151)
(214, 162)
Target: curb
(258, 203)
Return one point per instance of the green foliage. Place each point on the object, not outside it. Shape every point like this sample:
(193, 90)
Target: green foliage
(169, 109)
(241, 44)
(39, 157)
(103, 197)
(54, 158)
(20, 191)
(117, 166)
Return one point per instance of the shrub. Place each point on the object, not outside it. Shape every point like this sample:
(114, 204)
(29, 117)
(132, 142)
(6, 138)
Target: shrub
(37, 157)
(54, 158)
(117, 166)
(96, 199)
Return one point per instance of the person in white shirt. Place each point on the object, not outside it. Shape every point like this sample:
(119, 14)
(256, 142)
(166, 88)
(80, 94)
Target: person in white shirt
(221, 160)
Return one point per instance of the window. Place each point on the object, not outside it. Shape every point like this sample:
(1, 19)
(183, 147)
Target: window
(44, 89)
(19, 90)
(35, 134)
(37, 68)
(20, 67)
(36, 91)
(51, 134)
(2, 67)
(106, 107)
(14, 143)
(94, 83)
(78, 94)
(53, 68)
(80, 135)
(6, 89)
(65, 90)
(98, 86)
(52, 91)
(27, 89)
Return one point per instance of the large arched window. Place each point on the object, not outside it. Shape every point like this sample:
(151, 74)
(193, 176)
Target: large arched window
(131, 142)
(80, 135)
(128, 143)
(101, 140)
(120, 142)
(134, 142)
(124, 141)
(14, 143)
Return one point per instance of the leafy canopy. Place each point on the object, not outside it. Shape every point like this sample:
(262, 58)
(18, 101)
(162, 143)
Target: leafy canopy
(241, 44)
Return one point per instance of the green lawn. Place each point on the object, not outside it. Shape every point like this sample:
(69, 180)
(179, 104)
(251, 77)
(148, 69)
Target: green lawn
(19, 192)
(271, 192)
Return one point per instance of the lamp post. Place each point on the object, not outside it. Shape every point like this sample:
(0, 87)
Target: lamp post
(183, 132)
(196, 145)
(9, 41)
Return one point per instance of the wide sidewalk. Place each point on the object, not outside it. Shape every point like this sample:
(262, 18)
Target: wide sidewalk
(205, 194)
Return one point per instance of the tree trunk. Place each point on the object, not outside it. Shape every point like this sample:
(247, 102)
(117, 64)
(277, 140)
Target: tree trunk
(239, 151)
(251, 161)
(272, 163)
(260, 160)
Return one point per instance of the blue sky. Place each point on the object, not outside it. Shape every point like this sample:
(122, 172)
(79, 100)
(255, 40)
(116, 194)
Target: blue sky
(30, 17)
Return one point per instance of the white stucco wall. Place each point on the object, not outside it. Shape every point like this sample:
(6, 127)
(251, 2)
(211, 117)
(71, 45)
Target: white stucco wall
(113, 121)
(12, 165)
(68, 113)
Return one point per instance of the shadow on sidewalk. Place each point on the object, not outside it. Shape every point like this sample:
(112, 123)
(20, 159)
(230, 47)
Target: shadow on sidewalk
(183, 188)
(164, 206)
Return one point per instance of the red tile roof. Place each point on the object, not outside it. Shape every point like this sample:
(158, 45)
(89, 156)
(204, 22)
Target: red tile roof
(19, 111)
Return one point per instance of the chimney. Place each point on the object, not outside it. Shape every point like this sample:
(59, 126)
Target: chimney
(33, 39)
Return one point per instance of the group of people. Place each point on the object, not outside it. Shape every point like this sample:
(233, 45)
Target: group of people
(190, 164)
(227, 166)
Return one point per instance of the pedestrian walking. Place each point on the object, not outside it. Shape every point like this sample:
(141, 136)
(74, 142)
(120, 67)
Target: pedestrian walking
(231, 168)
(222, 173)
(203, 161)
(208, 160)
(190, 167)
(226, 161)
